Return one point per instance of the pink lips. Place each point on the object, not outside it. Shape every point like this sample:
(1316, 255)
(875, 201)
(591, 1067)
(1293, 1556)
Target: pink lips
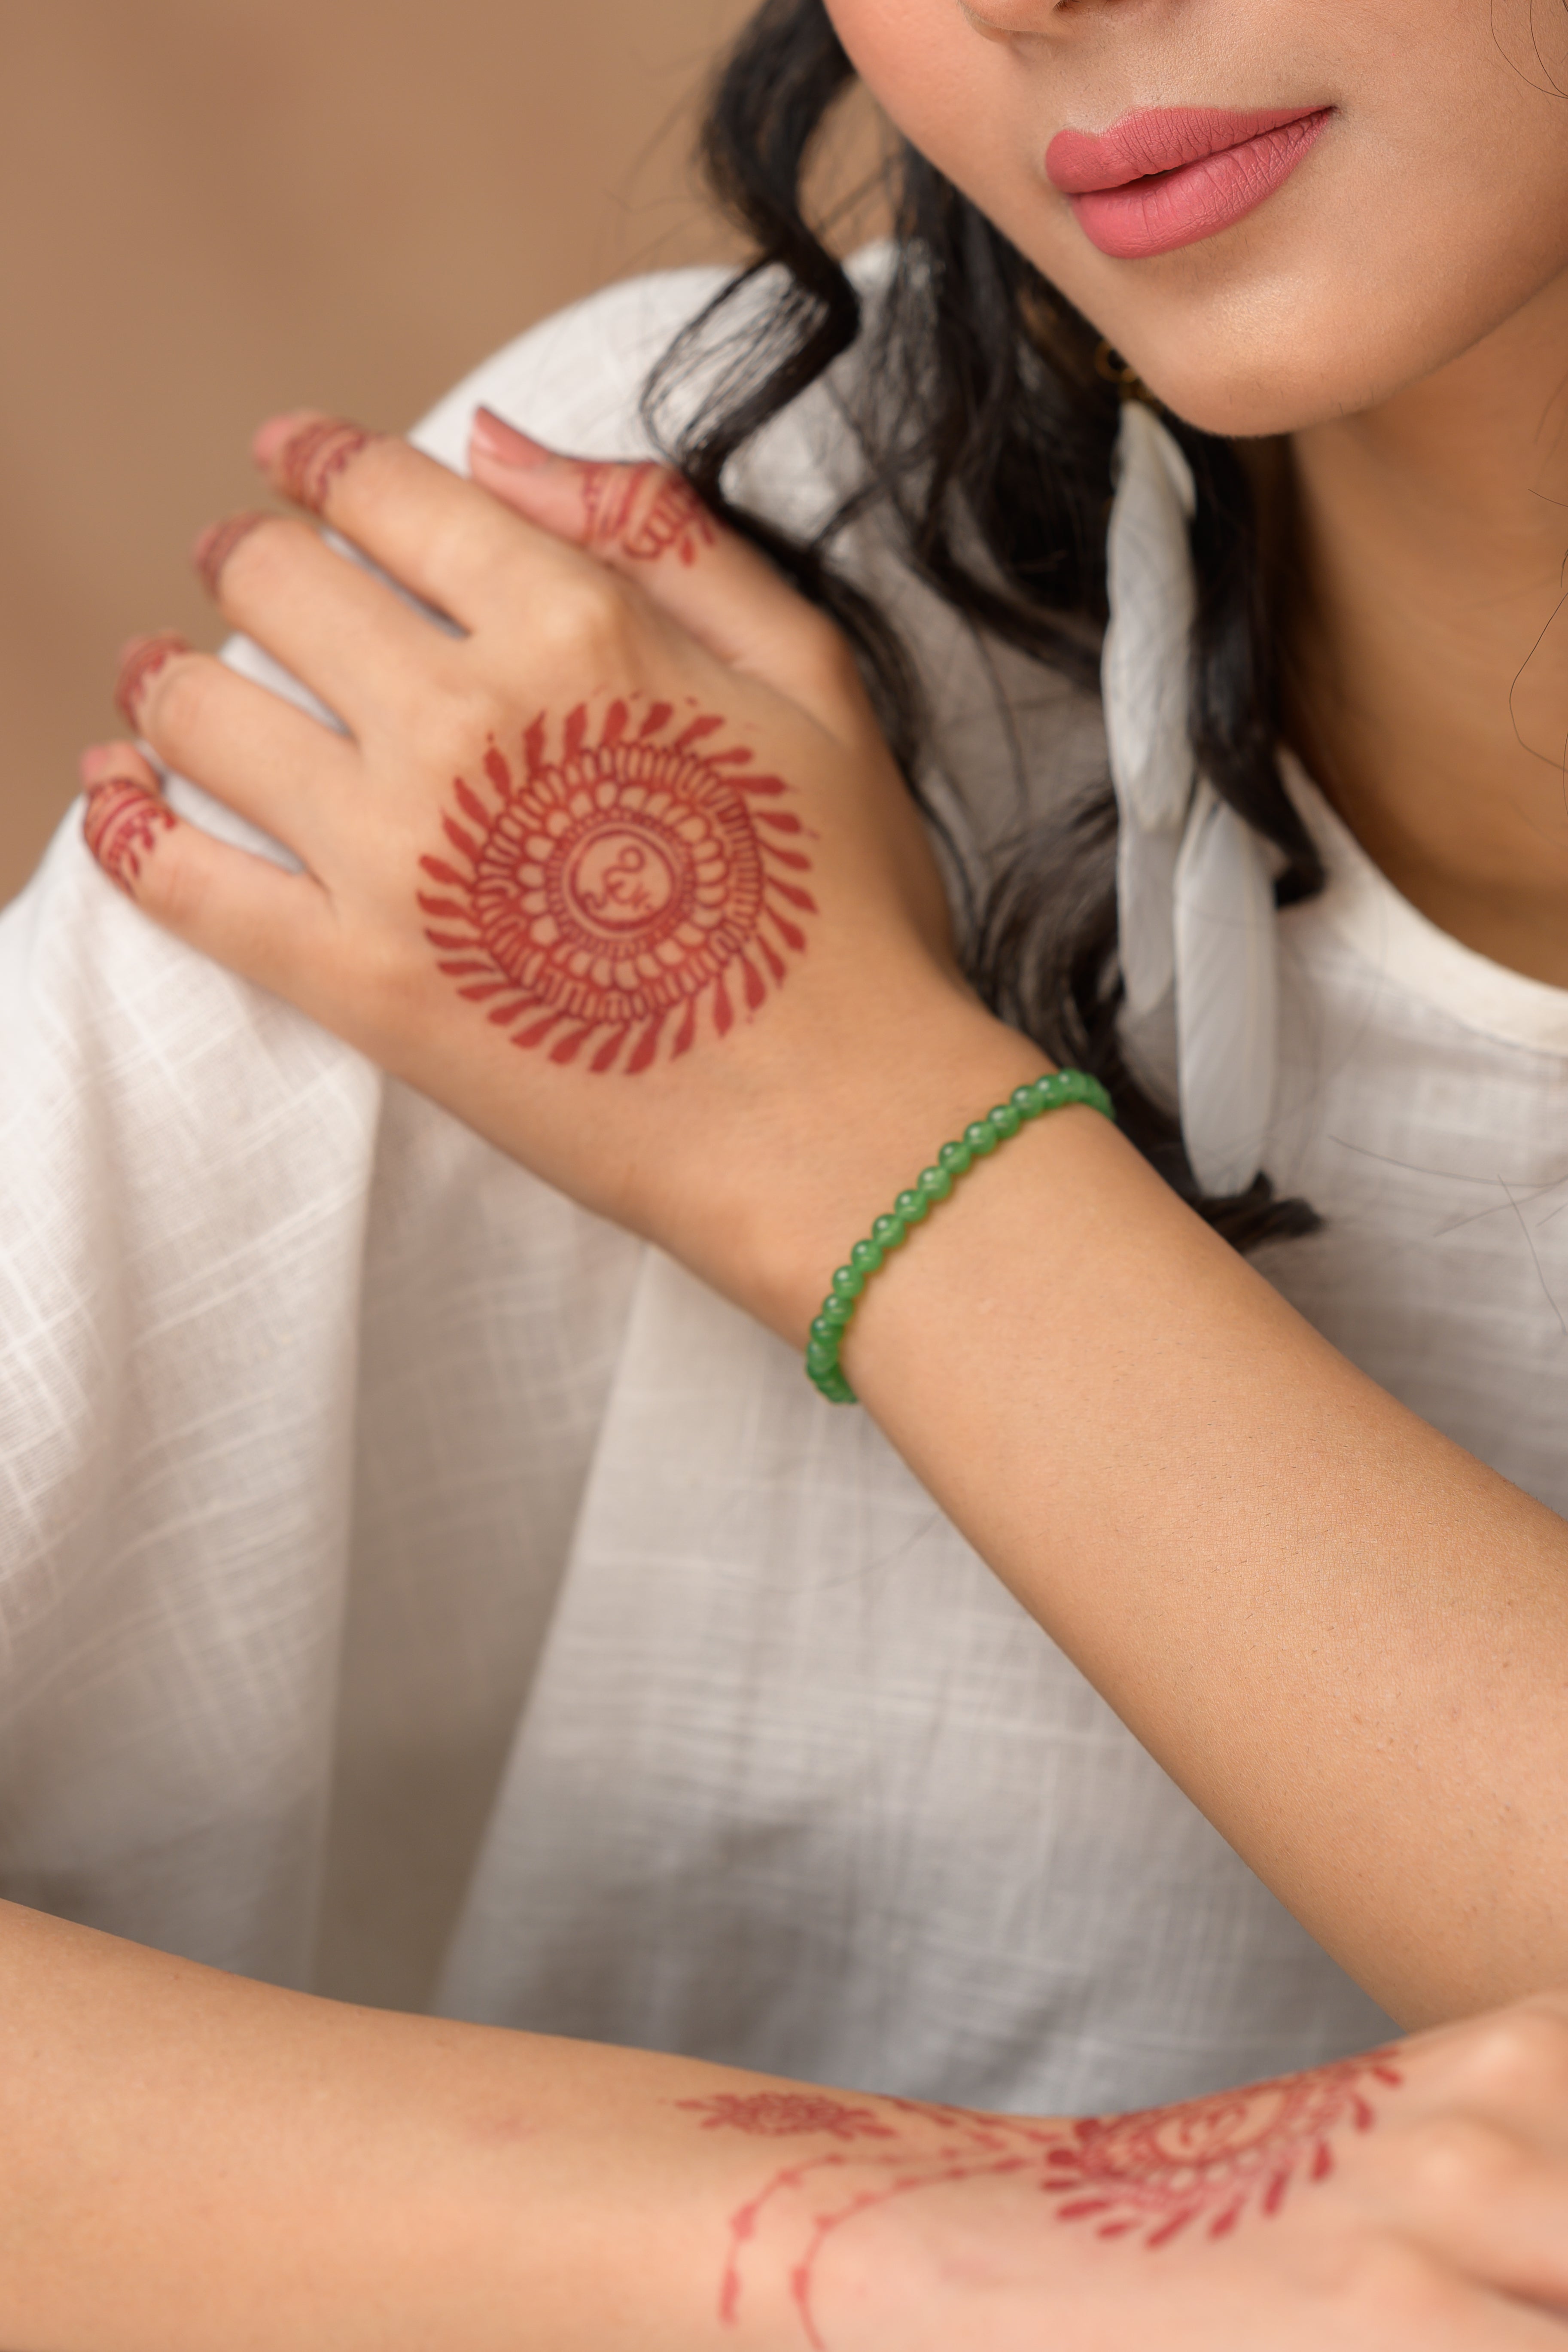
(1173, 175)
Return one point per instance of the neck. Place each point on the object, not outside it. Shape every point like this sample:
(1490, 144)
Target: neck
(1429, 636)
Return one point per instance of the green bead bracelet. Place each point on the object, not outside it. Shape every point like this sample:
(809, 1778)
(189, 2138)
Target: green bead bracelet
(932, 1184)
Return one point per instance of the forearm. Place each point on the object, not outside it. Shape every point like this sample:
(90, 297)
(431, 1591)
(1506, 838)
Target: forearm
(190, 2160)
(1346, 1639)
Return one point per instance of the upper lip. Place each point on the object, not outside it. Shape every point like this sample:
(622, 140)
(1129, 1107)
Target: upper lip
(1155, 140)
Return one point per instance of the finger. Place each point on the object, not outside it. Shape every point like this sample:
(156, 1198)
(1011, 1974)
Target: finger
(242, 910)
(260, 755)
(646, 521)
(439, 534)
(353, 641)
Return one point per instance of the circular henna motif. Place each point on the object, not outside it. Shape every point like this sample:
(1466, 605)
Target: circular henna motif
(621, 878)
(620, 893)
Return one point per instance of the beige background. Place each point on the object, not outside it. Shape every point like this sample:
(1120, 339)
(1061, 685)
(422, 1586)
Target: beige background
(216, 208)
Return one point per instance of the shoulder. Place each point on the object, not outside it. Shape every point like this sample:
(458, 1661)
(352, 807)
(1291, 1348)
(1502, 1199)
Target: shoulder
(576, 378)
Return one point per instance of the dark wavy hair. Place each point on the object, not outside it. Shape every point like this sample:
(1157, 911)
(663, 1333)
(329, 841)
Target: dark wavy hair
(988, 445)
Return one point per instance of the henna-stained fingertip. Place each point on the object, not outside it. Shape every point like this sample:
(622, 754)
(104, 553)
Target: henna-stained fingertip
(313, 457)
(217, 543)
(122, 825)
(140, 662)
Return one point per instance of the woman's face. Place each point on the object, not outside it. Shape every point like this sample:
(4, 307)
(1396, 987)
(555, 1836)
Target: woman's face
(1412, 165)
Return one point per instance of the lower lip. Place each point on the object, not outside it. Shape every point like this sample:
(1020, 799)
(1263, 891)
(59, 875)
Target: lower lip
(1198, 200)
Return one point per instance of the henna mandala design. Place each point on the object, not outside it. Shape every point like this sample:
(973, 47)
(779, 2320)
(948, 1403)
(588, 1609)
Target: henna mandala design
(1210, 2159)
(122, 824)
(778, 2115)
(142, 659)
(644, 511)
(310, 462)
(621, 894)
(1150, 2175)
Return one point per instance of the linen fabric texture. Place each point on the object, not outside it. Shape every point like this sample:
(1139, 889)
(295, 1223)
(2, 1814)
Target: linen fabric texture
(415, 1589)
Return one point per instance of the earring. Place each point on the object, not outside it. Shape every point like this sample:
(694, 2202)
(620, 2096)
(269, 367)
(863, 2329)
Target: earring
(1112, 368)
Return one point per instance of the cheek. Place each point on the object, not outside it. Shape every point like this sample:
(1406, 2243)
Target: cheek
(932, 73)
(979, 110)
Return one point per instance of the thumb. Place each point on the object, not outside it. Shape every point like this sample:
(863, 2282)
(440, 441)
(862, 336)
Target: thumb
(646, 521)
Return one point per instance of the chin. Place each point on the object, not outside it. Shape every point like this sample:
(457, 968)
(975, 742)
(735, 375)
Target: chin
(1254, 392)
(1333, 321)
(1302, 350)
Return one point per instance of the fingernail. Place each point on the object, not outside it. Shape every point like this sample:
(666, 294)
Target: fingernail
(491, 437)
(305, 453)
(217, 543)
(121, 825)
(99, 760)
(140, 661)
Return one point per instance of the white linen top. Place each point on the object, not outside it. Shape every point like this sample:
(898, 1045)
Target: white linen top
(413, 1589)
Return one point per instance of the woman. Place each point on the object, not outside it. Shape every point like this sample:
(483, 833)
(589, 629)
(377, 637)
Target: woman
(625, 877)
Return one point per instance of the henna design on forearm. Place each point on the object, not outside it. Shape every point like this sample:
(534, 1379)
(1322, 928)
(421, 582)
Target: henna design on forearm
(122, 824)
(616, 898)
(1200, 2167)
(310, 461)
(781, 2115)
(645, 512)
(140, 662)
(216, 546)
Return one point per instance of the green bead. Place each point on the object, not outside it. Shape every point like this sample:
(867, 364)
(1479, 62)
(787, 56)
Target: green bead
(1064, 1086)
(1050, 1092)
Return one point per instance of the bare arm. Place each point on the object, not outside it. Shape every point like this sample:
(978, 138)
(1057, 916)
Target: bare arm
(1344, 1637)
(190, 2160)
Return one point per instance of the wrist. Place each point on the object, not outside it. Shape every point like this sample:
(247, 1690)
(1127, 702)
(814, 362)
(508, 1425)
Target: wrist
(820, 1170)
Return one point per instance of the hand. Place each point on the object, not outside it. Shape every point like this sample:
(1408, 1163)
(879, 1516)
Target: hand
(1412, 2200)
(623, 874)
